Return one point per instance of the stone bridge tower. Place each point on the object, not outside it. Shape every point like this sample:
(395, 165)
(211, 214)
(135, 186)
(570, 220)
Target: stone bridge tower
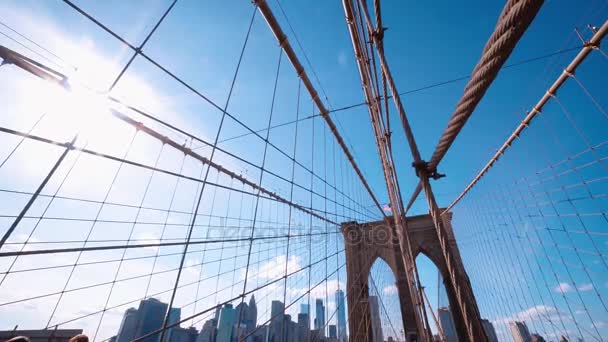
(367, 242)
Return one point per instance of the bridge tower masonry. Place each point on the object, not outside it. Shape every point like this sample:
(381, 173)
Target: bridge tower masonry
(366, 242)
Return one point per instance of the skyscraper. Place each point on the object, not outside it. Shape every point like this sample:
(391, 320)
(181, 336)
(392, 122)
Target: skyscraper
(488, 327)
(290, 328)
(174, 316)
(333, 331)
(275, 330)
(151, 316)
(179, 334)
(253, 313)
(227, 320)
(520, 331)
(305, 308)
(320, 316)
(375, 318)
(303, 327)
(208, 332)
(341, 307)
(447, 324)
(126, 332)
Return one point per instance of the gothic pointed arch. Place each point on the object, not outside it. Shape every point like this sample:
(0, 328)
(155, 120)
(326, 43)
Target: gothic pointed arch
(366, 242)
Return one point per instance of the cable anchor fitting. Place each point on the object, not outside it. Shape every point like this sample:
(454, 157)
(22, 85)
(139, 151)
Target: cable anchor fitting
(422, 168)
(378, 34)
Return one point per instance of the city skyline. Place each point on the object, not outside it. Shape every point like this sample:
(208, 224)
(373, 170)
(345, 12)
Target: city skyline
(224, 326)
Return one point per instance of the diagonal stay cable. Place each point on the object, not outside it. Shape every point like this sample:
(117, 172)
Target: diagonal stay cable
(299, 69)
(537, 109)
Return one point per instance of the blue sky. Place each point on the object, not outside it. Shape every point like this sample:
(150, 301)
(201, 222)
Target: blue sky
(425, 44)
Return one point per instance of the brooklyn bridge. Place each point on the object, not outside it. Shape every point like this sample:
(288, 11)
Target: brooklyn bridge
(199, 171)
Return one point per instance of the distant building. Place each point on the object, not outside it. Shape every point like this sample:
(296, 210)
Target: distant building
(447, 324)
(261, 334)
(183, 334)
(227, 320)
(315, 335)
(488, 327)
(252, 317)
(290, 329)
(520, 331)
(174, 317)
(44, 335)
(303, 327)
(208, 331)
(333, 332)
(151, 316)
(375, 318)
(341, 308)
(247, 314)
(305, 308)
(147, 318)
(320, 317)
(277, 314)
(128, 326)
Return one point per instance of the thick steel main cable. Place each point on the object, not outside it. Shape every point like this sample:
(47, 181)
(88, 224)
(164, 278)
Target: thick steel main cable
(513, 22)
(568, 72)
(464, 295)
(515, 18)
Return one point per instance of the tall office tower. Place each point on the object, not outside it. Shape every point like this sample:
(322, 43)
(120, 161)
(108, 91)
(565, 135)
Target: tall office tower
(375, 318)
(242, 314)
(290, 328)
(333, 333)
(151, 316)
(179, 334)
(275, 329)
(341, 307)
(227, 321)
(208, 332)
(128, 326)
(520, 331)
(488, 327)
(303, 327)
(174, 317)
(447, 324)
(305, 308)
(320, 317)
(253, 313)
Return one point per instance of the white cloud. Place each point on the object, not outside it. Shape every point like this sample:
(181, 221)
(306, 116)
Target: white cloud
(390, 290)
(275, 268)
(563, 288)
(586, 287)
(532, 313)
